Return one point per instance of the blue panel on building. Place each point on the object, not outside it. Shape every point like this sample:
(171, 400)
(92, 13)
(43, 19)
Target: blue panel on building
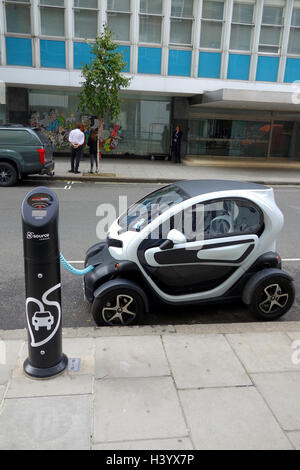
(19, 51)
(180, 63)
(267, 69)
(53, 54)
(292, 70)
(149, 60)
(238, 66)
(209, 64)
(82, 54)
(125, 50)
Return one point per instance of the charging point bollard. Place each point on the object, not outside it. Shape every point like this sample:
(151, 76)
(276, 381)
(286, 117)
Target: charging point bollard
(43, 284)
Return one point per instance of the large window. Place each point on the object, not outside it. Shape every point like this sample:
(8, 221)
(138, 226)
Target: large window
(52, 17)
(18, 16)
(85, 18)
(118, 19)
(150, 21)
(294, 40)
(181, 22)
(212, 24)
(242, 26)
(270, 33)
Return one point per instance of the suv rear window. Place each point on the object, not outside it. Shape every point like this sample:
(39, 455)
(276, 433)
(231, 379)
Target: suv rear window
(17, 137)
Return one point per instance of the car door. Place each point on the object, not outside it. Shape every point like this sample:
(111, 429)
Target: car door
(212, 253)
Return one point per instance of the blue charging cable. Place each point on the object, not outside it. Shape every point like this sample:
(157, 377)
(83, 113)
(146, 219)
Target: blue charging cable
(77, 272)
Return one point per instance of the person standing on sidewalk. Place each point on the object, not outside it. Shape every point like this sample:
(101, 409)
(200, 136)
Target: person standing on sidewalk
(176, 145)
(92, 143)
(76, 138)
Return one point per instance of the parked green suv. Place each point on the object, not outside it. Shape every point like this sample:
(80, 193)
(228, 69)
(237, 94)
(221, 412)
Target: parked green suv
(23, 151)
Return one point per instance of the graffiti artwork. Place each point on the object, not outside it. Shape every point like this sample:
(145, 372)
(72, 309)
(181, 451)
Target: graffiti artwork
(58, 128)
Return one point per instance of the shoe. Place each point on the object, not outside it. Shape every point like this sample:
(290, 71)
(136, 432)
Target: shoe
(71, 171)
(76, 172)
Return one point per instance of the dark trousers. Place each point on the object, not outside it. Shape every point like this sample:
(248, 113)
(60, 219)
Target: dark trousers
(176, 154)
(75, 158)
(93, 158)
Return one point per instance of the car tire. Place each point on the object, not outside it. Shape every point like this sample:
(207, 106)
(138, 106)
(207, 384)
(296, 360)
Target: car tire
(272, 298)
(118, 307)
(8, 174)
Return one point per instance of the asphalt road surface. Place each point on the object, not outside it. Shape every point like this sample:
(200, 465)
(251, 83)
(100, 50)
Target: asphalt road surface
(79, 219)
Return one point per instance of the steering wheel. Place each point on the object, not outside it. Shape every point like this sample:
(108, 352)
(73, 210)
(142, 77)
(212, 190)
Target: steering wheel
(221, 225)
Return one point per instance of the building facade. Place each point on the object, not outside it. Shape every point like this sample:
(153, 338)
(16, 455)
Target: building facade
(226, 71)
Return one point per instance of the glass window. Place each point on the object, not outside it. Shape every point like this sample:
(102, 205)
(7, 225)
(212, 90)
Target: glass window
(118, 5)
(153, 7)
(119, 24)
(52, 21)
(85, 23)
(294, 38)
(150, 29)
(18, 18)
(231, 217)
(211, 35)
(270, 35)
(86, 4)
(20, 137)
(212, 24)
(182, 8)
(241, 28)
(53, 3)
(181, 31)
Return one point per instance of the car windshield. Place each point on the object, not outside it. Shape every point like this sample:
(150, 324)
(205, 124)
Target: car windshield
(142, 213)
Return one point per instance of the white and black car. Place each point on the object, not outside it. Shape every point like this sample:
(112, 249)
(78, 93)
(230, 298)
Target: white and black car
(188, 243)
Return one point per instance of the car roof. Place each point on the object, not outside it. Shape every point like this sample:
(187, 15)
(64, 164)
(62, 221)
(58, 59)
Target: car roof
(195, 188)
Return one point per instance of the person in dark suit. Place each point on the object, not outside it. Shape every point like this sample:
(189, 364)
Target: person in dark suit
(176, 145)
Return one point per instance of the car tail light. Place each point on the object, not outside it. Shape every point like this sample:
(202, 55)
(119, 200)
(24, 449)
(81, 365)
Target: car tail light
(42, 155)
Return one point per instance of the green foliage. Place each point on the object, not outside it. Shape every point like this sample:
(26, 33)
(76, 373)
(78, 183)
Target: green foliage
(103, 79)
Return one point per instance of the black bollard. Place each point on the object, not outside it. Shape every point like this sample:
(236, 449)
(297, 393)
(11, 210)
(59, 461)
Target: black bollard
(43, 284)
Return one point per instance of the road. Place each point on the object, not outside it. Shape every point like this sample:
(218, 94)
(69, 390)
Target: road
(79, 221)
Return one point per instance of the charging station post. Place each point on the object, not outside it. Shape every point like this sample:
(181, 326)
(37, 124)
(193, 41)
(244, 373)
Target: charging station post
(40, 211)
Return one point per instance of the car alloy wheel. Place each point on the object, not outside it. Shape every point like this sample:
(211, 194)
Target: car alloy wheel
(275, 299)
(8, 175)
(123, 312)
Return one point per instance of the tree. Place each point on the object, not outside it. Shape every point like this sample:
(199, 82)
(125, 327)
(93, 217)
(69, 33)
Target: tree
(103, 80)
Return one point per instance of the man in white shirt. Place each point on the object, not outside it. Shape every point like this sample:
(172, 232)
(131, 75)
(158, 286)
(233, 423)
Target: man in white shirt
(76, 138)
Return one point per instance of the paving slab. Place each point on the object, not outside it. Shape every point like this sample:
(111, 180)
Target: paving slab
(2, 392)
(66, 384)
(294, 437)
(137, 408)
(231, 419)
(281, 392)
(130, 356)
(153, 444)
(203, 361)
(10, 350)
(48, 423)
(263, 352)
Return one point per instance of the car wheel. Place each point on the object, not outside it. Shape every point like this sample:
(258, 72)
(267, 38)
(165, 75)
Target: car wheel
(8, 174)
(118, 307)
(272, 298)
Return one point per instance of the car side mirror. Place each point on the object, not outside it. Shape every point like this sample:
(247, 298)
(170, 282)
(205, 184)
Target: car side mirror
(176, 237)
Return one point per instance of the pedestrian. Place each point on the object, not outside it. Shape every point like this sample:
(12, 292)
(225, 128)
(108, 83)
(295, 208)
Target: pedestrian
(84, 143)
(92, 143)
(176, 145)
(76, 138)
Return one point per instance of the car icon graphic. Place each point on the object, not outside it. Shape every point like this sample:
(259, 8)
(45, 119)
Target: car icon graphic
(42, 320)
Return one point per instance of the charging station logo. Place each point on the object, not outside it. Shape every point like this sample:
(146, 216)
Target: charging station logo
(43, 324)
(33, 236)
(2, 353)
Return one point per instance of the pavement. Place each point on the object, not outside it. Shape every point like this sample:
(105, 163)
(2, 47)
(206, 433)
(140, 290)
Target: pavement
(273, 171)
(180, 388)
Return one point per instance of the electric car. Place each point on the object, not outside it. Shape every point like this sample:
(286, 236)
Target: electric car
(188, 243)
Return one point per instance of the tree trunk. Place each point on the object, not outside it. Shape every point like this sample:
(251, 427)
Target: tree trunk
(100, 129)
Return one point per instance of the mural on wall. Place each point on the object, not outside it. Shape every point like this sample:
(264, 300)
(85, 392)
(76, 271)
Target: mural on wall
(58, 128)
